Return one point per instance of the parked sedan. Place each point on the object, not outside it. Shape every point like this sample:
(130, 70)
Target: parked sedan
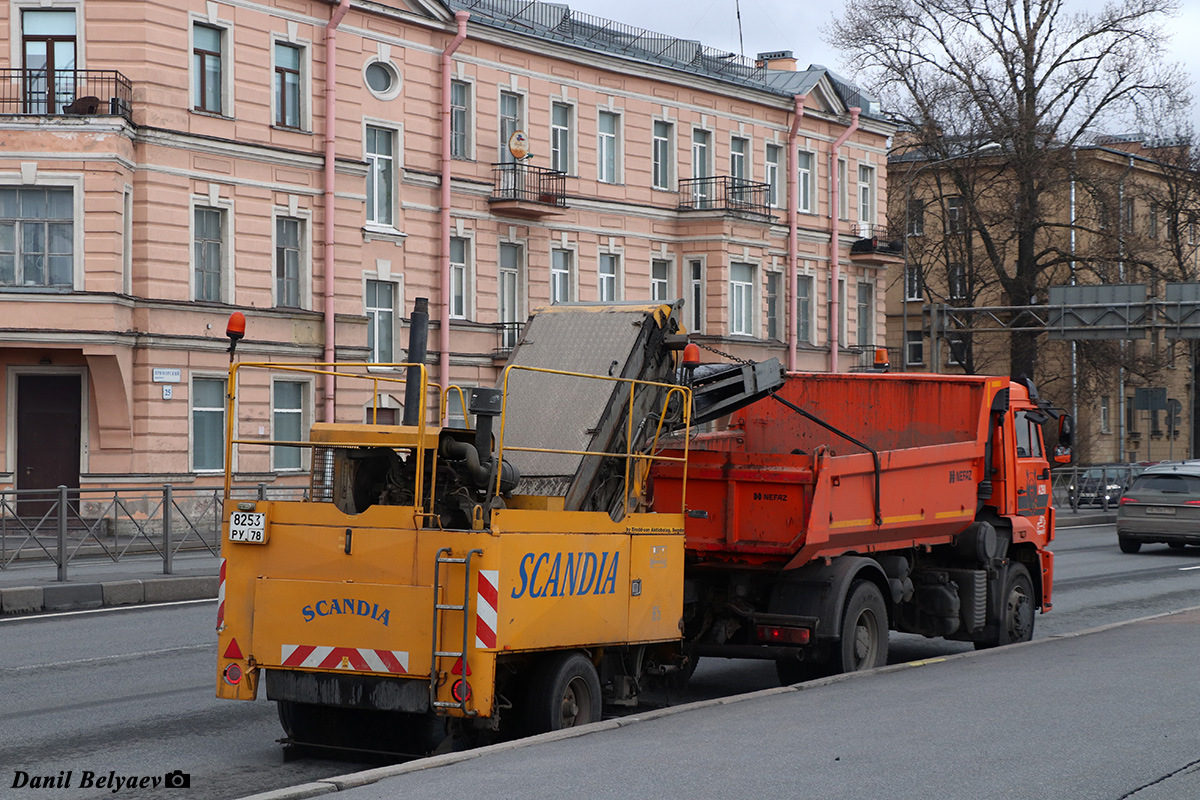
(1161, 505)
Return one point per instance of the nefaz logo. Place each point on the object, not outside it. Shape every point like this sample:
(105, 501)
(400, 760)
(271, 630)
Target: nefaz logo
(770, 496)
(960, 475)
(550, 575)
(346, 605)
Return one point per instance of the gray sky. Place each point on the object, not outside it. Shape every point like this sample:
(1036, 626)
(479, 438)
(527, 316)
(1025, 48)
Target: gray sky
(796, 25)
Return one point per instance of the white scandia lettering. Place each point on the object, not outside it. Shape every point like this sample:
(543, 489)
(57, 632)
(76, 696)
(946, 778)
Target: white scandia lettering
(374, 662)
(316, 657)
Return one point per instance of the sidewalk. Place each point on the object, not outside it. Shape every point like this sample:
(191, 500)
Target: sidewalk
(1108, 713)
(33, 586)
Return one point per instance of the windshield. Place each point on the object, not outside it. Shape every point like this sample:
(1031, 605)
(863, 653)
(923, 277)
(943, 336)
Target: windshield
(1167, 484)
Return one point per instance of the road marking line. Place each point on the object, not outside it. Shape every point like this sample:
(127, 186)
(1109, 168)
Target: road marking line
(130, 607)
(105, 659)
(1185, 569)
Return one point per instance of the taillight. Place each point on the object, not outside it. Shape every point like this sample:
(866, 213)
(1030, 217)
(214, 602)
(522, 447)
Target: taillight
(778, 634)
(233, 674)
(1192, 503)
(461, 691)
(1125, 500)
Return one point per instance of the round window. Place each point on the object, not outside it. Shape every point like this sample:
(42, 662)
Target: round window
(382, 79)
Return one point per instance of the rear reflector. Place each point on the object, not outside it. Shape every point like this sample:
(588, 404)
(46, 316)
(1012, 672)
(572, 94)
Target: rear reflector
(777, 634)
(233, 651)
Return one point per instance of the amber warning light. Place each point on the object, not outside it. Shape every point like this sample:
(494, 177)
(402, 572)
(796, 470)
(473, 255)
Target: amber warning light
(235, 330)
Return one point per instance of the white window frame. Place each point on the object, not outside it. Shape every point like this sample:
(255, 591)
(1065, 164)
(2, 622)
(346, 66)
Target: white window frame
(662, 154)
(866, 198)
(371, 313)
(771, 168)
(915, 341)
(743, 300)
(843, 191)
(806, 328)
(739, 162)
(462, 277)
(304, 217)
(520, 288)
(397, 134)
(305, 414)
(393, 91)
(519, 123)
(1105, 415)
(227, 65)
(956, 281)
(956, 214)
(192, 409)
(774, 278)
(468, 120)
(452, 398)
(57, 180)
(562, 138)
(127, 240)
(912, 283)
(804, 180)
(305, 47)
(614, 279)
(951, 361)
(228, 251)
(571, 271)
(697, 289)
(864, 314)
(605, 142)
(661, 286)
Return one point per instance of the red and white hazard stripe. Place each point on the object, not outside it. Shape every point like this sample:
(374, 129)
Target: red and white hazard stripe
(221, 598)
(486, 600)
(354, 658)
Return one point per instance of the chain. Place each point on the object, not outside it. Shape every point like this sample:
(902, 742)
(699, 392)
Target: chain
(722, 353)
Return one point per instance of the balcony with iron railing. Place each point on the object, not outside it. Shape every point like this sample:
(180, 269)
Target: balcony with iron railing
(727, 194)
(875, 246)
(523, 190)
(76, 92)
(507, 336)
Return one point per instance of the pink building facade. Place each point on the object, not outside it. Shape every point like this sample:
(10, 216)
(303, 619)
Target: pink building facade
(162, 165)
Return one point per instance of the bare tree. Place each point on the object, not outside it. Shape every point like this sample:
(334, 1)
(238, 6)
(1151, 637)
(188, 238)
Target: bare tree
(1027, 74)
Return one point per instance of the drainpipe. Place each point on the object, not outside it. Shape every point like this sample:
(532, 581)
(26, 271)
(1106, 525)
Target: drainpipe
(330, 138)
(461, 18)
(793, 221)
(835, 256)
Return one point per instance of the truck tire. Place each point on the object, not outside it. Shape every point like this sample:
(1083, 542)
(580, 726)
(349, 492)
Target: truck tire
(1016, 612)
(565, 693)
(864, 634)
(1129, 545)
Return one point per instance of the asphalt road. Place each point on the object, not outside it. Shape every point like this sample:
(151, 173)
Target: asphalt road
(131, 691)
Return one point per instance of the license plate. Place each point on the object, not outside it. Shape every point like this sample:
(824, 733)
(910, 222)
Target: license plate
(247, 527)
(1168, 512)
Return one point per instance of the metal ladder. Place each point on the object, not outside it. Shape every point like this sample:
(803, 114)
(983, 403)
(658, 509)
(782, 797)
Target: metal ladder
(444, 557)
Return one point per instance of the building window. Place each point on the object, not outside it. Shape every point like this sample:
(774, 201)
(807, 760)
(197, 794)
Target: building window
(660, 280)
(804, 162)
(661, 153)
(1131, 415)
(916, 217)
(701, 168)
(207, 70)
(1152, 222)
(560, 276)
(774, 300)
(866, 315)
(560, 137)
(956, 280)
(456, 415)
(381, 175)
(1105, 425)
(914, 351)
(866, 197)
(737, 158)
(841, 322)
(912, 283)
(956, 221)
(509, 291)
(696, 294)
(606, 148)
(510, 123)
(843, 190)
(208, 424)
(460, 99)
(459, 278)
(607, 279)
(287, 85)
(379, 307)
(772, 176)
(958, 349)
(287, 420)
(804, 315)
(741, 299)
(288, 256)
(37, 236)
(207, 246)
(48, 38)
(1127, 215)
(382, 79)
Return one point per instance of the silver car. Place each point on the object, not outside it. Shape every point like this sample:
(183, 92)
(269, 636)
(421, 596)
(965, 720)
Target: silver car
(1161, 505)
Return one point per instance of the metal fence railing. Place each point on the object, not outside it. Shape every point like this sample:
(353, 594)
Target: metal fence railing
(82, 92)
(520, 181)
(62, 525)
(724, 193)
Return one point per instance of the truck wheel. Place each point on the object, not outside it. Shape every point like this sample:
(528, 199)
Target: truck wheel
(864, 639)
(565, 694)
(1017, 612)
(1129, 545)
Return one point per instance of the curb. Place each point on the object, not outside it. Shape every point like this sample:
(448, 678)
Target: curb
(80, 596)
(371, 776)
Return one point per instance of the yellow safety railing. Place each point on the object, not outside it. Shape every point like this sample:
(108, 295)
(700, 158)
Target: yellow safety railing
(646, 457)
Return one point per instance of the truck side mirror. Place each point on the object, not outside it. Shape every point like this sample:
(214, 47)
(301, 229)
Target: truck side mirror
(1066, 437)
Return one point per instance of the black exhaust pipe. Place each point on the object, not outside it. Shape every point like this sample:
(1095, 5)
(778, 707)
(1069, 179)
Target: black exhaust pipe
(418, 346)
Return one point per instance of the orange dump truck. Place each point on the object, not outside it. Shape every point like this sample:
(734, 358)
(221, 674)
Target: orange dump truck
(850, 504)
